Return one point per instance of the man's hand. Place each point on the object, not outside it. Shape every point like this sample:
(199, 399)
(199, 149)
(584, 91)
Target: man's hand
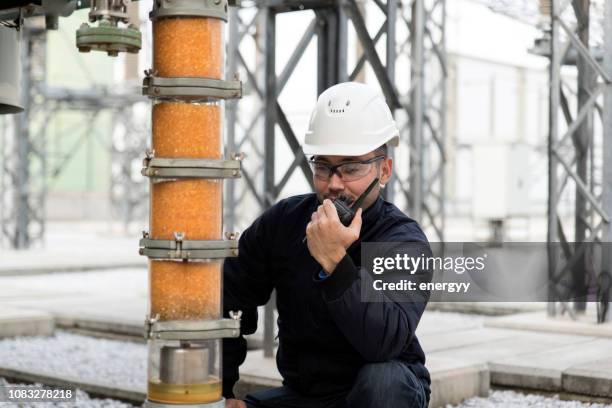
(327, 238)
(234, 403)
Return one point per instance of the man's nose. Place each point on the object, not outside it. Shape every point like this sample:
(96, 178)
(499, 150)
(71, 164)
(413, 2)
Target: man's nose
(335, 182)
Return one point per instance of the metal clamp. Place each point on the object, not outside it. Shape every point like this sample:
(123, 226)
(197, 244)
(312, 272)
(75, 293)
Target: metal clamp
(190, 88)
(179, 168)
(189, 8)
(179, 248)
(193, 329)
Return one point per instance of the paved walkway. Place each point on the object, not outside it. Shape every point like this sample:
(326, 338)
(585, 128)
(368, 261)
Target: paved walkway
(75, 247)
(465, 353)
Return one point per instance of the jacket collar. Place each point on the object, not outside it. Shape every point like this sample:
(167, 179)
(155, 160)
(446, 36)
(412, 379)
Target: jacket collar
(373, 212)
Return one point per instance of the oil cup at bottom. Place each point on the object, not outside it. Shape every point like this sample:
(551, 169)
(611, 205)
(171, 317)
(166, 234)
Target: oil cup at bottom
(184, 372)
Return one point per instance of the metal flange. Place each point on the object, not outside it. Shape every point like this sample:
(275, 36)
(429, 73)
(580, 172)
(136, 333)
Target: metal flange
(179, 248)
(180, 168)
(190, 88)
(109, 38)
(192, 329)
(189, 8)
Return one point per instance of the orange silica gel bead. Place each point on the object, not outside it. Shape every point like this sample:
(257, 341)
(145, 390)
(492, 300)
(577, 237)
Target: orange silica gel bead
(189, 206)
(185, 290)
(187, 130)
(188, 47)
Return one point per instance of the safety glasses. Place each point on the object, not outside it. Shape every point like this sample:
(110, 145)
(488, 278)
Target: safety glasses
(347, 171)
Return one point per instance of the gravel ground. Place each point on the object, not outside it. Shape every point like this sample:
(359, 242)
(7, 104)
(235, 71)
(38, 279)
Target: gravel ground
(121, 363)
(513, 399)
(82, 400)
(89, 359)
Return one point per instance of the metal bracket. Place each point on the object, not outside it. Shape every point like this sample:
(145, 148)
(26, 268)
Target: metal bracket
(179, 248)
(189, 8)
(178, 168)
(190, 88)
(193, 329)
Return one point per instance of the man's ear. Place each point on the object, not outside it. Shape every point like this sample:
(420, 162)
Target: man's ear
(386, 169)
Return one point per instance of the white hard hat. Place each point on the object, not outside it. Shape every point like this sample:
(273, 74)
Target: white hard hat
(350, 119)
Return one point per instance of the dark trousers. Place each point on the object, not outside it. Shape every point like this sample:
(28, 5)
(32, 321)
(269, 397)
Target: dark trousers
(378, 385)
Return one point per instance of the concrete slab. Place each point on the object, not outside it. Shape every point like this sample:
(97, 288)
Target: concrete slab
(593, 378)
(434, 342)
(93, 324)
(260, 370)
(115, 301)
(453, 380)
(586, 324)
(68, 260)
(487, 308)
(16, 322)
(543, 370)
(520, 343)
(434, 322)
(75, 247)
(112, 315)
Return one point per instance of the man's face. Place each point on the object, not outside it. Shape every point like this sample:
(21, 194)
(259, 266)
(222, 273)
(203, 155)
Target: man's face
(335, 187)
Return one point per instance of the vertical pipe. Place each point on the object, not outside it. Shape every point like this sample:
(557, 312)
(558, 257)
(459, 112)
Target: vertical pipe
(21, 237)
(359, 47)
(186, 372)
(388, 193)
(416, 110)
(342, 45)
(443, 110)
(269, 137)
(553, 106)
(331, 47)
(232, 109)
(331, 61)
(607, 148)
(581, 139)
(492, 107)
(322, 60)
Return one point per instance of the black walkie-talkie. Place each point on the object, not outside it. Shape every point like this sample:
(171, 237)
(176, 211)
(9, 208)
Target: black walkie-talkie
(346, 213)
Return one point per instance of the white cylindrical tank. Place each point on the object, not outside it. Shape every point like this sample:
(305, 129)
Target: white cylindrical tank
(10, 70)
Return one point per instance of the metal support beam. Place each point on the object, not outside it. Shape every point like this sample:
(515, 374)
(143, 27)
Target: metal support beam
(424, 131)
(417, 106)
(576, 163)
(391, 58)
(604, 301)
(23, 187)
(331, 24)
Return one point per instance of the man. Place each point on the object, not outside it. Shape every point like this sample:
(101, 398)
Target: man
(334, 349)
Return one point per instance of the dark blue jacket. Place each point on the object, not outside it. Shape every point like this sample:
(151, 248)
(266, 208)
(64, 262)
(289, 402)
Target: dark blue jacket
(326, 333)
